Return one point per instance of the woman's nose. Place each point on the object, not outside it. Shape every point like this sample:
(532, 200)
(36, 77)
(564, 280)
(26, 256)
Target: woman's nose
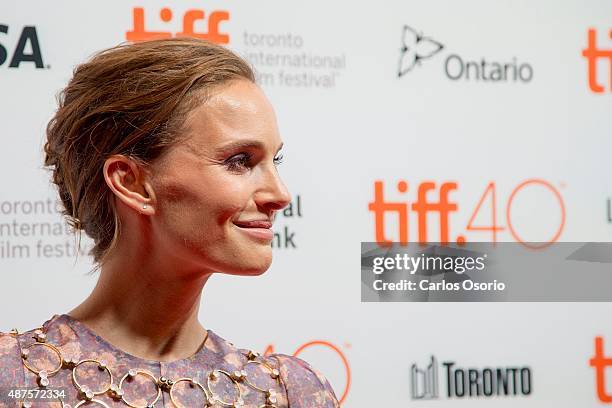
(274, 194)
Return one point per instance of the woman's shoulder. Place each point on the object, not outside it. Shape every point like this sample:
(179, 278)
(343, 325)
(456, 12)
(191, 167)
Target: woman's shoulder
(11, 366)
(10, 351)
(12, 345)
(306, 387)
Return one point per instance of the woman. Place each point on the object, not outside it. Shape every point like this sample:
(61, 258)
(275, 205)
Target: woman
(165, 154)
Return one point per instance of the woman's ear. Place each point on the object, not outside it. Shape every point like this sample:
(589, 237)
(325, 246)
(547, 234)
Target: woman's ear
(150, 193)
(128, 181)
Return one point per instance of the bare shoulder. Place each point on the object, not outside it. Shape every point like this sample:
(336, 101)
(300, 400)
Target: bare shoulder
(306, 387)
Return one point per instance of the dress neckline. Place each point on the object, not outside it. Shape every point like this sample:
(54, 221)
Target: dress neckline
(83, 330)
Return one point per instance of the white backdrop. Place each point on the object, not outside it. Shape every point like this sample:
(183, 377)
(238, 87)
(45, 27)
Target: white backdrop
(348, 120)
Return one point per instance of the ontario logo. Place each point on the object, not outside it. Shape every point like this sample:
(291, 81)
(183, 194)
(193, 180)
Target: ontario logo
(208, 25)
(416, 48)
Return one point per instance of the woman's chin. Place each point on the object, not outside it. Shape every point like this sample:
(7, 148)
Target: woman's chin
(247, 271)
(254, 264)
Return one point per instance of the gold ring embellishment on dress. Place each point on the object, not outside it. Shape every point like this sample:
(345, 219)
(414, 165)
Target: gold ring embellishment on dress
(131, 374)
(214, 378)
(193, 383)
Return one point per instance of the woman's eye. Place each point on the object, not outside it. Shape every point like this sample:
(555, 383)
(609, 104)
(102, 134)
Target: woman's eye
(238, 162)
(278, 159)
(244, 161)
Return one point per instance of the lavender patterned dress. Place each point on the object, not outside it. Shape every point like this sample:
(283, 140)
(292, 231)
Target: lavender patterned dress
(219, 373)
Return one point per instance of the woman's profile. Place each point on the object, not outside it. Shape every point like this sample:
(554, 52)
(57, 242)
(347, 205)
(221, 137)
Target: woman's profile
(164, 153)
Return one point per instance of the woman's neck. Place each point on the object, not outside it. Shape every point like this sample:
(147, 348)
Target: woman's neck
(146, 307)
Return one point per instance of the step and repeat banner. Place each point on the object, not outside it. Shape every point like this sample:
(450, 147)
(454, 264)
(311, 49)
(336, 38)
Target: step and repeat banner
(455, 121)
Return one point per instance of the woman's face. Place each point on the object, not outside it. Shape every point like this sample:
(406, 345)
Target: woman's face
(217, 189)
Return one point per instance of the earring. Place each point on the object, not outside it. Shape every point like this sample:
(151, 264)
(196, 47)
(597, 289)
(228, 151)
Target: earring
(144, 207)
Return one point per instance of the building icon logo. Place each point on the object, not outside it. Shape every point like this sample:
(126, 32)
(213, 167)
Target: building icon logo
(424, 382)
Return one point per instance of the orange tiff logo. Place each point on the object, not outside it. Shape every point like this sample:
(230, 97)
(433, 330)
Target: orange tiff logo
(593, 54)
(444, 207)
(422, 206)
(139, 33)
(600, 362)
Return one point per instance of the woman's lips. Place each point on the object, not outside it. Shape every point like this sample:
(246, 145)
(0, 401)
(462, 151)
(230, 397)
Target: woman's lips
(254, 224)
(257, 229)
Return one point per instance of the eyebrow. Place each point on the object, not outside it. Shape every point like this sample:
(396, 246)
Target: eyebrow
(244, 144)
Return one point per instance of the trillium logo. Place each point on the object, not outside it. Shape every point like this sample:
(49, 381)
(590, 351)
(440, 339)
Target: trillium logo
(415, 48)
